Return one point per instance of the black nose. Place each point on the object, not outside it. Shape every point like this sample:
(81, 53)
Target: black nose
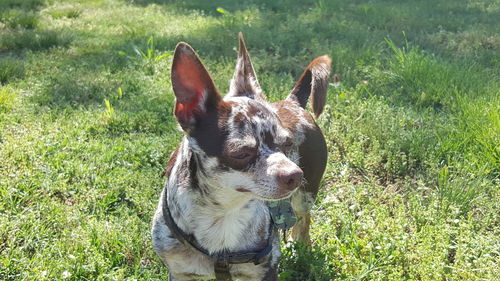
(290, 180)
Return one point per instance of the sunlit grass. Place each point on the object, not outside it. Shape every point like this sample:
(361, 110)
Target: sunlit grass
(413, 131)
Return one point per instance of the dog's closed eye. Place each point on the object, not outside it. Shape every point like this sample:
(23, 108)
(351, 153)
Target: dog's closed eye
(241, 155)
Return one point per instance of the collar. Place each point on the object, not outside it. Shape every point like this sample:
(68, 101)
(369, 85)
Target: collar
(222, 258)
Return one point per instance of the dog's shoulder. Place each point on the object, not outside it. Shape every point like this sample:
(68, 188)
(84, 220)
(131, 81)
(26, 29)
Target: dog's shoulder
(171, 162)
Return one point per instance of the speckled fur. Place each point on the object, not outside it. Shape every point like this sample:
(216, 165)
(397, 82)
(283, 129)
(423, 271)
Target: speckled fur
(212, 193)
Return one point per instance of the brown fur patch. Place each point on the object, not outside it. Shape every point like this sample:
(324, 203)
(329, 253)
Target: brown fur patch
(313, 83)
(289, 118)
(313, 151)
(313, 157)
(171, 161)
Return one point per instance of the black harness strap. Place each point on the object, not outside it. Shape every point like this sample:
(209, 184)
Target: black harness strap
(222, 259)
(221, 268)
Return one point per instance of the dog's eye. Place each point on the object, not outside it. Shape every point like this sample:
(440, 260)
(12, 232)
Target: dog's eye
(241, 156)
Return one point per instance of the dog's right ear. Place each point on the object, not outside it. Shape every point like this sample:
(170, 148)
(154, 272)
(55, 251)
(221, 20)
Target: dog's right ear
(194, 90)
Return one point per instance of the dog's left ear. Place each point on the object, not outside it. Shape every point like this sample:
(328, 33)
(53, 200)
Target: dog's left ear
(244, 81)
(313, 82)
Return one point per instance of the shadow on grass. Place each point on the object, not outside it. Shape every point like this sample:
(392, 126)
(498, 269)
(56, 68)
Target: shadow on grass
(285, 34)
(448, 28)
(21, 4)
(19, 40)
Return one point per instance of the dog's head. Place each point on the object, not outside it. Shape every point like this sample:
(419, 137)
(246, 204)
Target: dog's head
(239, 141)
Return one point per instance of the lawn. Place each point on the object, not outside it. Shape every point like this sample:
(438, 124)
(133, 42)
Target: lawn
(411, 190)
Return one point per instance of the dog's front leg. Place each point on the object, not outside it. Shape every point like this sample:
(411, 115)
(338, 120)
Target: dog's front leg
(302, 203)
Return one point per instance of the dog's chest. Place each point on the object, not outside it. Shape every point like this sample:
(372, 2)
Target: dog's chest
(244, 227)
(230, 231)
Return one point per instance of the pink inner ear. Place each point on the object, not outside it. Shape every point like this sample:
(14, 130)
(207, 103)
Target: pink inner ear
(189, 81)
(184, 111)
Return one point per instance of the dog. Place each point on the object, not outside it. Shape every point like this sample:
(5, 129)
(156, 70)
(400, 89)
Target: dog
(238, 153)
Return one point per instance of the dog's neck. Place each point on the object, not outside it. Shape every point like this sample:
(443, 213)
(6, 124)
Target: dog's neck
(219, 218)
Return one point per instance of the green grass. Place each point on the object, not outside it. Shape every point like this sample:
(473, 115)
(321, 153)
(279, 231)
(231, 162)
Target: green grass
(10, 69)
(7, 99)
(15, 18)
(413, 130)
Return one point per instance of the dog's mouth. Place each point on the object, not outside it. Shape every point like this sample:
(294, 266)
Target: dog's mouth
(281, 196)
(243, 190)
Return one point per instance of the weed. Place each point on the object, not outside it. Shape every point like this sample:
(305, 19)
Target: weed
(150, 56)
(120, 93)
(109, 113)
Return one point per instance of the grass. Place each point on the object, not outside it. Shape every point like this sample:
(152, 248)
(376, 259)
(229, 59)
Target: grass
(16, 18)
(413, 130)
(10, 68)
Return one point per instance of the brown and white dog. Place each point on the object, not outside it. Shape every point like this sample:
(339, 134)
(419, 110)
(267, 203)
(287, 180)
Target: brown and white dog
(238, 152)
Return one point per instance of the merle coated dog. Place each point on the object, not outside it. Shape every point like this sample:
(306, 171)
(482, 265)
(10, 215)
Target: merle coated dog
(239, 152)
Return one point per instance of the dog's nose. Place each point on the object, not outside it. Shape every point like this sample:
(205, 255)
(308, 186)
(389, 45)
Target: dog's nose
(291, 179)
